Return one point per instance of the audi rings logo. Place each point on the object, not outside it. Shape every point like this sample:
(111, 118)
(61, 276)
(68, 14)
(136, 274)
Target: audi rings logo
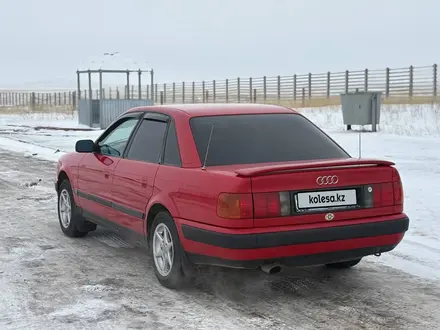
(326, 180)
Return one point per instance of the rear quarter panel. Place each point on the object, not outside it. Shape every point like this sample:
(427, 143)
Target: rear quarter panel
(192, 194)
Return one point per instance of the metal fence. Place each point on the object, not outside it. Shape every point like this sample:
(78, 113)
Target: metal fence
(399, 85)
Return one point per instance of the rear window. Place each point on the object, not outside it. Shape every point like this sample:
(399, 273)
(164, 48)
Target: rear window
(261, 138)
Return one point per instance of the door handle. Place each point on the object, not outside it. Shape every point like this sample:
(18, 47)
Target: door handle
(144, 183)
(106, 175)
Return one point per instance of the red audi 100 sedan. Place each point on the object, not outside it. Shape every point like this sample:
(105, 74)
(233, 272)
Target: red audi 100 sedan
(234, 185)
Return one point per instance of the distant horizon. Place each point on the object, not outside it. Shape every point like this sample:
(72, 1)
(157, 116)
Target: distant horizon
(196, 40)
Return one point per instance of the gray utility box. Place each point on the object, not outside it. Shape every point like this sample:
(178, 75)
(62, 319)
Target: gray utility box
(361, 108)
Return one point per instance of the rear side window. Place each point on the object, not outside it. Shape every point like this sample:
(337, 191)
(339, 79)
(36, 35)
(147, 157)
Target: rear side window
(261, 138)
(172, 155)
(148, 141)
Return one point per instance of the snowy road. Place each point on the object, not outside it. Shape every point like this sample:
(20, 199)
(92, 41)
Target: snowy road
(49, 281)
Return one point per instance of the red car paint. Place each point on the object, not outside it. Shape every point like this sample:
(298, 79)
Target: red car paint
(230, 214)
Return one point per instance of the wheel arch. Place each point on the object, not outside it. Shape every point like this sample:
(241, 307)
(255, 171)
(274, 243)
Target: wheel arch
(62, 175)
(154, 210)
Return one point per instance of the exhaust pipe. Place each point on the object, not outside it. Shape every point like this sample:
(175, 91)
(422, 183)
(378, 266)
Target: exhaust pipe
(271, 268)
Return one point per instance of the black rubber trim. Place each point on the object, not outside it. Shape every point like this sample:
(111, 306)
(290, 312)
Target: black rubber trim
(116, 206)
(127, 210)
(94, 198)
(294, 261)
(266, 240)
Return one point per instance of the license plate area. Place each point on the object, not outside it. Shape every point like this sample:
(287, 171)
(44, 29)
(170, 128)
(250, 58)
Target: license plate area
(325, 200)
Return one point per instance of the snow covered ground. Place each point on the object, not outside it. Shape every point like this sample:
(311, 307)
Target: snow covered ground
(408, 135)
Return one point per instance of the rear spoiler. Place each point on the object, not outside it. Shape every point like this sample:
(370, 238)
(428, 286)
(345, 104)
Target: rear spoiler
(310, 165)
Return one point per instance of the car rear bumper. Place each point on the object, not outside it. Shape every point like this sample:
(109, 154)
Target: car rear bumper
(300, 247)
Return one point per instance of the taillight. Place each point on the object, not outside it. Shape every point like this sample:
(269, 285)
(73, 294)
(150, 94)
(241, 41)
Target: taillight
(258, 205)
(235, 206)
(390, 193)
(270, 205)
(387, 194)
(397, 187)
(398, 193)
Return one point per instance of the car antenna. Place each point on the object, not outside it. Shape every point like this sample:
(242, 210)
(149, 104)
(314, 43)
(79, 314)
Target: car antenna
(360, 145)
(207, 147)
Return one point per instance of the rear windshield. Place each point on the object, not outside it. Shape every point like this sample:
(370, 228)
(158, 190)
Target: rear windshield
(261, 138)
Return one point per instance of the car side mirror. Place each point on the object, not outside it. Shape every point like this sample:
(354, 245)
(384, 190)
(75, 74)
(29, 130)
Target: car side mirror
(85, 146)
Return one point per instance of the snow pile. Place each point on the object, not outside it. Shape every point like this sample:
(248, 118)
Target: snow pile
(409, 120)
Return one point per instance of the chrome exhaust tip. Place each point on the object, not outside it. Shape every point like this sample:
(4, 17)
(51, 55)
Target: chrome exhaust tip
(271, 268)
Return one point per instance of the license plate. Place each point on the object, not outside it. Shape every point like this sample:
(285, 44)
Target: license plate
(324, 199)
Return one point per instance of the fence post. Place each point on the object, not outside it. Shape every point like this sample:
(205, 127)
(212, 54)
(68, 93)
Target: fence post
(155, 92)
(203, 91)
(207, 96)
(264, 89)
(174, 92)
(193, 96)
(434, 87)
(213, 91)
(227, 91)
(387, 83)
(366, 80)
(161, 97)
(279, 89)
(127, 95)
(74, 100)
(152, 83)
(411, 83)
(33, 101)
(183, 92)
(310, 86)
(238, 90)
(294, 87)
(148, 93)
(255, 95)
(250, 90)
(328, 84)
(165, 93)
(140, 84)
(347, 77)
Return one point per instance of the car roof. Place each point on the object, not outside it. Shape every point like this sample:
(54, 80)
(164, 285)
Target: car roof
(216, 109)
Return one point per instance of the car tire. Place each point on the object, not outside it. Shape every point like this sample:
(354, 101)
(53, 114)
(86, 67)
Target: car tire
(71, 221)
(344, 264)
(166, 252)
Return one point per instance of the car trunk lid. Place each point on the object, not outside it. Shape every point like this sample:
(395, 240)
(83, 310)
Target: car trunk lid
(322, 191)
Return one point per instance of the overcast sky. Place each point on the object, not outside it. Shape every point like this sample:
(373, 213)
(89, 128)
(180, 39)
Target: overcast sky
(43, 43)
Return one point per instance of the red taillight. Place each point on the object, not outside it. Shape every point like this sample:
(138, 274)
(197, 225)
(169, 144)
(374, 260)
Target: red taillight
(235, 206)
(267, 205)
(398, 193)
(398, 188)
(387, 194)
(258, 205)
(390, 193)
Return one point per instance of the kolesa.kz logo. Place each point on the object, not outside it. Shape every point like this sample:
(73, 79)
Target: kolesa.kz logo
(326, 199)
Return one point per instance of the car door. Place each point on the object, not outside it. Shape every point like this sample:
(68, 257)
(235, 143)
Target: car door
(95, 171)
(134, 175)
